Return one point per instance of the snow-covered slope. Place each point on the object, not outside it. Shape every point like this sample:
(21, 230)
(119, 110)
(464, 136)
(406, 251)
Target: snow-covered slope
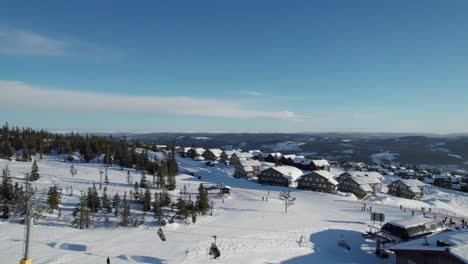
(248, 229)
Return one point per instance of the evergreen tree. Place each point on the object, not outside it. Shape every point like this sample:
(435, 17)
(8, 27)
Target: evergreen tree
(172, 166)
(136, 191)
(162, 172)
(106, 178)
(82, 214)
(18, 196)
(165, 198)
(6, 187)
(129, 177)
(125, 216)
(146, 201)
(94, 202)
(203, 203)
(157, 207)
(143, 181)
(54, 198)
(34, 176)
(171, 182)
(106, 205)
(116, 201)
(182, 207)
(193, 213)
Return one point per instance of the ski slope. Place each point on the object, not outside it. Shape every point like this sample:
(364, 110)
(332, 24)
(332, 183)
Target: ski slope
(248, 229)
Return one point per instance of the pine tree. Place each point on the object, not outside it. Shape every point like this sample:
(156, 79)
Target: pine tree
(94, 202)
(193, 213)
(162, 172)
(106, 205)
(6, 187)
(136, 191)
(129, 177)
(54, 198)
(106, 178)
(157, 207)
(182, 207)
(18, 196)
(143, 182)
(203, 203)
(82, 214)
(125, 216)
(34, 176)
(146, 201)
(172, 166)
(116, 201)
(165, 198)
(171, 183)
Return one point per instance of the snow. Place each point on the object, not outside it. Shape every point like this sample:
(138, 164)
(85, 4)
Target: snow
(411, 221)
(321, 163)
(289, 172)
(249, 230)
(383, 157)
(455, 156)
(327, 175)
(201, 138)
(458, 244)
(284, 146)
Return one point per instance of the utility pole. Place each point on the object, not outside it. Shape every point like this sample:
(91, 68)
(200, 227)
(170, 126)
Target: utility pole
(28, 217)
(100, 180)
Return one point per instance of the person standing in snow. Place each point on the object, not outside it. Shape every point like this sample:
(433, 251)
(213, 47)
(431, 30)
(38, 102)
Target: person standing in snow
(108, 260)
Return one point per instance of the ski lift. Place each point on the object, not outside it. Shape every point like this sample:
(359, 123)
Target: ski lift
(342, 243)
(161, 234)
(214, 249)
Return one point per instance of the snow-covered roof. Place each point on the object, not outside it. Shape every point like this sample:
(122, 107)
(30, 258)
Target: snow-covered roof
(327, 175)
(198, 151)
(365, 187)
(298, 159)
(365, 177)
(255, 152)
(457, 240)
(243, 155)
(229, 152)
(276, 155)
(249, 163)
(216, 151)
(320, 163)
(289, 156)
(289, 172)
(412, 183)
(411, 221)
(414, 189)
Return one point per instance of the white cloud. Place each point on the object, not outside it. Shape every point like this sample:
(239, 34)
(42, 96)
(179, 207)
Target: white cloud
(22, 95)
(251, 93)
(19, 42)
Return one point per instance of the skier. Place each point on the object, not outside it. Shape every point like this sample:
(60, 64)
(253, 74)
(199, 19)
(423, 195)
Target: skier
(108, 260)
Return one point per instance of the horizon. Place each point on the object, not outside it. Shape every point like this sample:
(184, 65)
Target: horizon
(236, 67)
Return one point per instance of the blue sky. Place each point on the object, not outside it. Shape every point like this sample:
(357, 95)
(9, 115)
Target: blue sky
(235, 66)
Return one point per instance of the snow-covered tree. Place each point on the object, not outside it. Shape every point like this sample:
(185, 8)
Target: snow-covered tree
(146, 201)
(34, 176)
(125, 215)
(54, 198)
(82, 214)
